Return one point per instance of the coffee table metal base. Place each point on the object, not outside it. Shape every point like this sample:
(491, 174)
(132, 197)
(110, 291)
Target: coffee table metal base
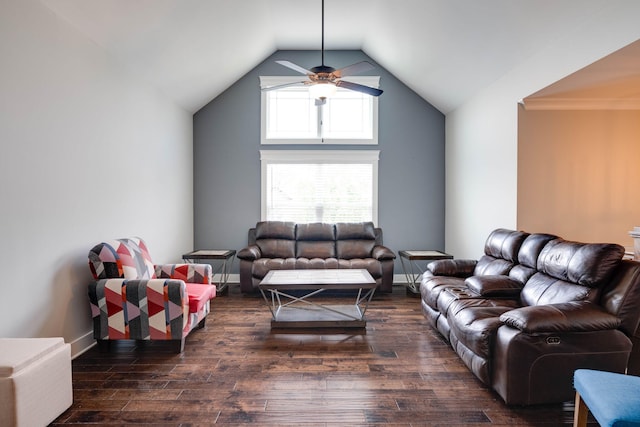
(289, 311)
(291, 298)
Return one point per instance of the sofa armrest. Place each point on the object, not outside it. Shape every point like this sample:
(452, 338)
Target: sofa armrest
(577, 316)
(190, 273)
(494, 286)
(452, 267)
(250, 253)
(381, 253)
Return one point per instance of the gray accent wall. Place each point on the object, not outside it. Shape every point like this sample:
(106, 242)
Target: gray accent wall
(411, 186)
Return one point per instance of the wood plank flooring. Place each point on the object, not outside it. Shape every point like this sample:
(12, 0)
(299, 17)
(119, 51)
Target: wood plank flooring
(236, 371)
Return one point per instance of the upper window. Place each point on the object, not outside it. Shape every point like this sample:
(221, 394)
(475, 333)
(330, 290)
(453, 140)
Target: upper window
(290, 115)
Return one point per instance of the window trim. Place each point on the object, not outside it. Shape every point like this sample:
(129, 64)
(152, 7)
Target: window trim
(268, 81)
(371, 157)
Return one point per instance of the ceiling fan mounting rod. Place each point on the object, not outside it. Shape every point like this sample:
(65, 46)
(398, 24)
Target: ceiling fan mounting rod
(323, 33)
(322, 72)
(324, 76)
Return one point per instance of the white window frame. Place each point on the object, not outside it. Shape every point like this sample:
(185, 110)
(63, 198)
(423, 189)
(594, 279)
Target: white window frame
(268, 81)
(314, 156)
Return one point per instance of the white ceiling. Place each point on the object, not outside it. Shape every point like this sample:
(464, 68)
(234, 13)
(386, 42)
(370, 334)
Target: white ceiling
(445, 50)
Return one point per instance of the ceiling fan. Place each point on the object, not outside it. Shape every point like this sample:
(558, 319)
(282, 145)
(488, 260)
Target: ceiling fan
(323, 80)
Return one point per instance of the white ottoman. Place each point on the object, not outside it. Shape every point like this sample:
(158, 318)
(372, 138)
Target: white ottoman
(35, 380)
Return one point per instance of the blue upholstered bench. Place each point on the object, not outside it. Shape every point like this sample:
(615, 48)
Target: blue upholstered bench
(613, 399)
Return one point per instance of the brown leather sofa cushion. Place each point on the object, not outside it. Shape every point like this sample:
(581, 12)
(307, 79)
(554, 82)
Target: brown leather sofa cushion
(543, 289)
(494, 286)
(452, 267)
(263, 265)
(350, 249)
(372, 266)
(587, 264)
(571, 271)
(500, 252)
(355, 240)
(315, 232)
(276, 239)
(531, 248)
(359, 231)
(488, 265)
(316, 240)
(528, 256)
(276, 248)
(568, 317)
(475, 322)
(276, 230)
(315, 249)
(504, 244)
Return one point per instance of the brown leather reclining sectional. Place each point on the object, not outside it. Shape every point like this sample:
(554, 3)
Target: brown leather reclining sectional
(275, 245)
(534, 309)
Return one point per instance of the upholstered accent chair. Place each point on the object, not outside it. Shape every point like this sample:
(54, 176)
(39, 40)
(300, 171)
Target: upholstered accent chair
(134, 299)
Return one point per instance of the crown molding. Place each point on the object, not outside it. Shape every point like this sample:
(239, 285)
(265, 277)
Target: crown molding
(581, 104)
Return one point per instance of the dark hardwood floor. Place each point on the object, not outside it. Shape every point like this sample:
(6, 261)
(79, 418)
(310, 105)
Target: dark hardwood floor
(236, 371)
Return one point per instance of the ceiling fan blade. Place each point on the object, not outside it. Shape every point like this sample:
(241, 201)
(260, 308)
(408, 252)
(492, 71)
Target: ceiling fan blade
(294, 67)
(357, 68)
(359, 88)
(283, 85)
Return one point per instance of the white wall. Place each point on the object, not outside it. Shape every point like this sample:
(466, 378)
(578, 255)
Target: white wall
(88, 153)
(481, 135)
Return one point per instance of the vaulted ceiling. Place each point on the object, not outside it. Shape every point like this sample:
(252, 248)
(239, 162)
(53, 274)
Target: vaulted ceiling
(445, 50)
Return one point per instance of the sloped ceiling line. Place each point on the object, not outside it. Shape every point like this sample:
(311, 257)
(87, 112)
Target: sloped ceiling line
(445, 50)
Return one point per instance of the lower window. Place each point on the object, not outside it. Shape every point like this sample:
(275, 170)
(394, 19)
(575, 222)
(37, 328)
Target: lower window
(319, 186)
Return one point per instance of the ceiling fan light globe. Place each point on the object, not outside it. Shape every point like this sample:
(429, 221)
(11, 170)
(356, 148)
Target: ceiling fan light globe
(322, 90)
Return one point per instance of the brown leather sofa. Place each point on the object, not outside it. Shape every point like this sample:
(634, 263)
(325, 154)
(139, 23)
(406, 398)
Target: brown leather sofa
(289, 246)
(533, 309)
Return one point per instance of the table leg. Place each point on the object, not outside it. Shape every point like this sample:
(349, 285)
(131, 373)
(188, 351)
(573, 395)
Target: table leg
(411, 275)
(297, 312)
(224, 270)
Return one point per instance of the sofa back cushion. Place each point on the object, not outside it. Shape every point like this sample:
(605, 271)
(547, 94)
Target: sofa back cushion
(528, 256)
(571, 271)
(276, 239)
(355, 240)
(315, 240)
(543, 289)
(500, 252)
(121, 259)
(587, 264)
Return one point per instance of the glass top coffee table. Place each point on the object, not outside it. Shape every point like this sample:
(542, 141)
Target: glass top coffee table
(290, 295)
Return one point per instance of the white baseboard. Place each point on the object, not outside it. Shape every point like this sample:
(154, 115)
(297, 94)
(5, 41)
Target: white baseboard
(234, 279)
(82, 344)
(400, 279)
